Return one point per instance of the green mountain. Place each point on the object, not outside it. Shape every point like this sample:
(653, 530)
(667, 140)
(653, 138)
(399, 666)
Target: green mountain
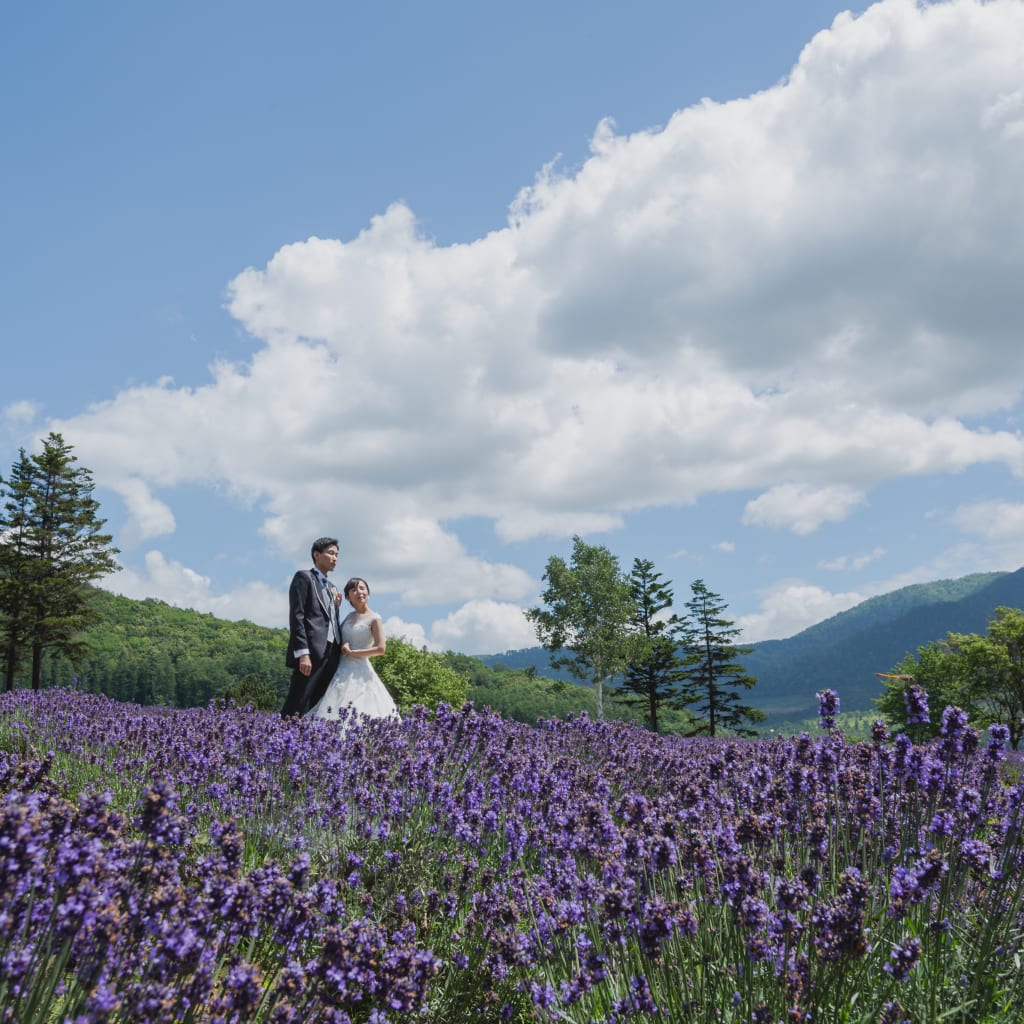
(844, 652)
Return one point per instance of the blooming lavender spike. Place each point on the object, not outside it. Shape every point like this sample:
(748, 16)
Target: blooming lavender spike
(828, 708)
(916, 700)
(903, 958)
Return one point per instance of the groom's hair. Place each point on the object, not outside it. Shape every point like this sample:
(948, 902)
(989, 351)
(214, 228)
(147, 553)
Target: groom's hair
(322, 544)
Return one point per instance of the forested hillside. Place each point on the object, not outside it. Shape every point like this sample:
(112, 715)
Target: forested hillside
(148, 652)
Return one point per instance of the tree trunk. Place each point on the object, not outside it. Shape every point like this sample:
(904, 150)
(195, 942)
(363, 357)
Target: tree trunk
(37, 666)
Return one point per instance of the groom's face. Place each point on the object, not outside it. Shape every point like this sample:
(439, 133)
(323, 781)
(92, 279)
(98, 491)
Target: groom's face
(326, 560)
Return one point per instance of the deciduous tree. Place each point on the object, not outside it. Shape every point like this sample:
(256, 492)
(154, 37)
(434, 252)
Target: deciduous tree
(584, 623)
(419, 676)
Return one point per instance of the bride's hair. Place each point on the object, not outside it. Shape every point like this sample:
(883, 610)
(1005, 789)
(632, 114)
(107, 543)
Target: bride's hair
(353, 583)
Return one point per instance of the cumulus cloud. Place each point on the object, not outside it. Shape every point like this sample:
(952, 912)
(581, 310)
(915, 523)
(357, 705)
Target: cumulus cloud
(803, 292)
(182, 587)
(411, 632)
(484, 627)
(993, 520)
(17, 415)
(801, 508)
(793, 605)
(147, 516)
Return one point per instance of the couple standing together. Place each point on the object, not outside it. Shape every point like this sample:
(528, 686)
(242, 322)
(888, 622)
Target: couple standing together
(329, 655)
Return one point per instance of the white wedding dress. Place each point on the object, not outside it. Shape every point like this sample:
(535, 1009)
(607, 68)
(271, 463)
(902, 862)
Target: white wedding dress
(355, 685)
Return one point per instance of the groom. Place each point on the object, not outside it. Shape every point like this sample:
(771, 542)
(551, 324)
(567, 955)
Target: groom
(314, 642)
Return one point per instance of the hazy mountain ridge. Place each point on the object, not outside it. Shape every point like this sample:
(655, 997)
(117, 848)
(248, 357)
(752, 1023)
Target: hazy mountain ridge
(845, 651)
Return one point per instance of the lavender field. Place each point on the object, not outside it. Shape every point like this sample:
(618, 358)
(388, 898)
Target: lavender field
(220, 865)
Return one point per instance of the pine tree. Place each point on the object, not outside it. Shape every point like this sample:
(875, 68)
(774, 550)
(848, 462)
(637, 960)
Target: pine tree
(51, 545)
(15, 566)
(713, 673)
(653, 677)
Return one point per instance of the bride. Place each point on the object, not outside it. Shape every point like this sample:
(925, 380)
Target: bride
(356, 686)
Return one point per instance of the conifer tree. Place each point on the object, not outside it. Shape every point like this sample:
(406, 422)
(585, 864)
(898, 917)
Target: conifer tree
(14, 566)
(713, 672)
(653, 678)
(51, 545)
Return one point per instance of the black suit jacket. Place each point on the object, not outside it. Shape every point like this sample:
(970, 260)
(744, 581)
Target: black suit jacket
(310, 610)
(308, 618)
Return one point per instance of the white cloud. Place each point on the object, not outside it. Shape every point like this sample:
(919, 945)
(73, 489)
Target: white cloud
(182, 587)
(147, 516)
(411, 632)
(992, 520)
(725, 546)
(19, 414)
(484, 627)
(792, 606)
(802, 508)
(855, 562)
(817, 284)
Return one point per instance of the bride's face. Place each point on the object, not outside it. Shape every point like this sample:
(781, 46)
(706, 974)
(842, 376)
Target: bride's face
(358, 594)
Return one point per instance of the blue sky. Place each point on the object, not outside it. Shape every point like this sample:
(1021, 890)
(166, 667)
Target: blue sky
(731, 287)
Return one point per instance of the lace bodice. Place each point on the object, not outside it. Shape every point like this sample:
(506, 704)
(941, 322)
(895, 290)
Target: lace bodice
(357, 634)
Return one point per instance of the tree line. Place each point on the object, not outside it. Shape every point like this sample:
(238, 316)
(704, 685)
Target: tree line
(606, 627)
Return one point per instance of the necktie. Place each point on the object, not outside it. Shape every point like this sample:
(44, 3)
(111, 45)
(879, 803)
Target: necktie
(328, 592)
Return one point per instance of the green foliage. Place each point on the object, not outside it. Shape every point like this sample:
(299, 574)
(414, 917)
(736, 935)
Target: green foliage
(525, 696)
(984, 675)
(855, 726)
(585, 619)
(253, 692)
(51, 545)
(938, 672)
(415, 676)
(713, 673)
(654, 675)
(147, 652)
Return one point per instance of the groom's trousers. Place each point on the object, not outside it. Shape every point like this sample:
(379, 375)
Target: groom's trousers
(305, 691)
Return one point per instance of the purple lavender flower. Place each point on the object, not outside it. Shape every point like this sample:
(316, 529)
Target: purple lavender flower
(893, 1013)
(999, 737)
(916, 700)
(954, 731)
(828, 708)
(903, 958)
(977, 855)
